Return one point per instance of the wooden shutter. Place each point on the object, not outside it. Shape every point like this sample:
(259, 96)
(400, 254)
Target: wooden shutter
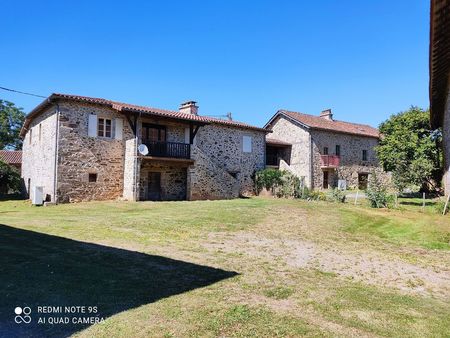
(118, 129)
(92, 125)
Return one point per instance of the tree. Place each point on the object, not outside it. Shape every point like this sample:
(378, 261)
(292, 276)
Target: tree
(409, 148)
(9, 178)
(11, 120)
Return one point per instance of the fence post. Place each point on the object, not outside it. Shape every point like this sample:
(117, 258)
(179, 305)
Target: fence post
(356, 197)
(446, 205)
(423, 201)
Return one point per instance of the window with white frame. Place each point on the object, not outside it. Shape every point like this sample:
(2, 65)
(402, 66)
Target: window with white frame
(247, 144)
(104, 127)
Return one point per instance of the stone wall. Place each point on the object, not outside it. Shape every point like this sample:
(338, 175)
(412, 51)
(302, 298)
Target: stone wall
(222, 169)
(351, 163)
(446, 142)
(298, 136)
(38, 157)
(80, 155)
(173, 180)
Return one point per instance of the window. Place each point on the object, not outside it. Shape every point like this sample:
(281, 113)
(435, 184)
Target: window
(31, 134)
(92, 178)
(104, 127)
(40, 131)
(325, 150)
(364, 155)
(153, 133)
(247, 144)
(338, 150)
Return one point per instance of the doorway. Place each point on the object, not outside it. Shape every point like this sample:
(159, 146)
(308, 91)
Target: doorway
(362, 181)
(325, 179)
(154, 186)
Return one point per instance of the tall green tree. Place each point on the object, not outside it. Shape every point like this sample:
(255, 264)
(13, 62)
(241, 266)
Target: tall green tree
(410, 149)
(11, 120)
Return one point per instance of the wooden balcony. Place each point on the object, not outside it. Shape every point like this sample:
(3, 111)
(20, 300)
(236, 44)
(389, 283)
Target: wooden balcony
(329, 161)
(168, 149)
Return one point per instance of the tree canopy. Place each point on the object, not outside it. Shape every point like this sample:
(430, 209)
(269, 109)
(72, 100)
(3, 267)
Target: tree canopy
(11, 120)
(410, 149)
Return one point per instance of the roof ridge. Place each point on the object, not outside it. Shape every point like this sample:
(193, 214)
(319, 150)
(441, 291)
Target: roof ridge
(318, 117)
(129, 106)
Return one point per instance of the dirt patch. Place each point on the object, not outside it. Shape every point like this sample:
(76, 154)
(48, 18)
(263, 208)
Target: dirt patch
(369, 267)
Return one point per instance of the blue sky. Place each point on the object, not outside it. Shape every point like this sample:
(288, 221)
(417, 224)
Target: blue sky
(364, 59)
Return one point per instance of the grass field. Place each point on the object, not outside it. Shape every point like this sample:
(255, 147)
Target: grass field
(248, 267)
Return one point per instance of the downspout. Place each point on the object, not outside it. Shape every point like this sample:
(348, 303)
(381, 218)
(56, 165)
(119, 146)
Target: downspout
(135, 188)
(55, 171)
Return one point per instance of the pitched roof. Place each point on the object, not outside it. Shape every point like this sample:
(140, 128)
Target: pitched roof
(439, 59)
(127, 108)
(320, 123)
(11, 156)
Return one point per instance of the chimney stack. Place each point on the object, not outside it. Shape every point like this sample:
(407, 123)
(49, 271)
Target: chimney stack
(327, 114)
(189, 107)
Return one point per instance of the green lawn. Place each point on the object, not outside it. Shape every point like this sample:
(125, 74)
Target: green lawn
(247, 267)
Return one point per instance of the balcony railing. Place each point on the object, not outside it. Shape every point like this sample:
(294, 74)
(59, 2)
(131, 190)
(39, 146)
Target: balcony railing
(329, 161)
(168, 149)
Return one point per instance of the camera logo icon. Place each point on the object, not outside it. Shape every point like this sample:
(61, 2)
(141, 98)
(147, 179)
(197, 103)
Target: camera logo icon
(22, 315)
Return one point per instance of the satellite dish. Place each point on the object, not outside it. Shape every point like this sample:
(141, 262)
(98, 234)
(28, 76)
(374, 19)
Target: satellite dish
(143, 150)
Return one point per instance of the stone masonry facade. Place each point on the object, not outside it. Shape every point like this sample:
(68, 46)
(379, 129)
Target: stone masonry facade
(307, 146)
(86, 168)
(351, 160)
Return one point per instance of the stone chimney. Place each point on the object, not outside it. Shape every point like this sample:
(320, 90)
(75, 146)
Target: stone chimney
(327, 114)
(189, 107)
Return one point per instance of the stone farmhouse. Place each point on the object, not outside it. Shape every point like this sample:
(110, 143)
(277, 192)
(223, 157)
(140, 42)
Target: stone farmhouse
(321, 150)
(81, 148)
(440, 77)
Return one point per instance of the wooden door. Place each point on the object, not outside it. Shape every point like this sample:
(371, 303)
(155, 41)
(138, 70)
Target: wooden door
(154, 186)
(325, 179)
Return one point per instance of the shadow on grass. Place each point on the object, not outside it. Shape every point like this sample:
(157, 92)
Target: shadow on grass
(42, 270)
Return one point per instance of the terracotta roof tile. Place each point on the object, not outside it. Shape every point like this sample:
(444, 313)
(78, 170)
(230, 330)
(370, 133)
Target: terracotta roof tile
(320, 123)
(11, 156)
(120, 106)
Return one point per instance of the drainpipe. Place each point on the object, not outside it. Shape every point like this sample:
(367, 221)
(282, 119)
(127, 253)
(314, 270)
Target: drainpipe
(135, 171)
(55, 171)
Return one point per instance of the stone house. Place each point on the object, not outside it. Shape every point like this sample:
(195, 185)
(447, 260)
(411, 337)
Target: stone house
(321, 150)
(12, 157)
(440, 77)
(81, 148)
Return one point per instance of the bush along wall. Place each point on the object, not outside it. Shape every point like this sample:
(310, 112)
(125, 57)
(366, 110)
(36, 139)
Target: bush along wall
(284, 184)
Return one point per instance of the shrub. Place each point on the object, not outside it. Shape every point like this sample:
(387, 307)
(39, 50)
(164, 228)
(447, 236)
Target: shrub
(289, 185)
(336, 195)
(316, 195)
(377, 193)
(10, 180)
(268, 178)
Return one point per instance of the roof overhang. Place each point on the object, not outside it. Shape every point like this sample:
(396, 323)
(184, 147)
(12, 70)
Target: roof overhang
(124, 108)
(287, 117)
(439, 59)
